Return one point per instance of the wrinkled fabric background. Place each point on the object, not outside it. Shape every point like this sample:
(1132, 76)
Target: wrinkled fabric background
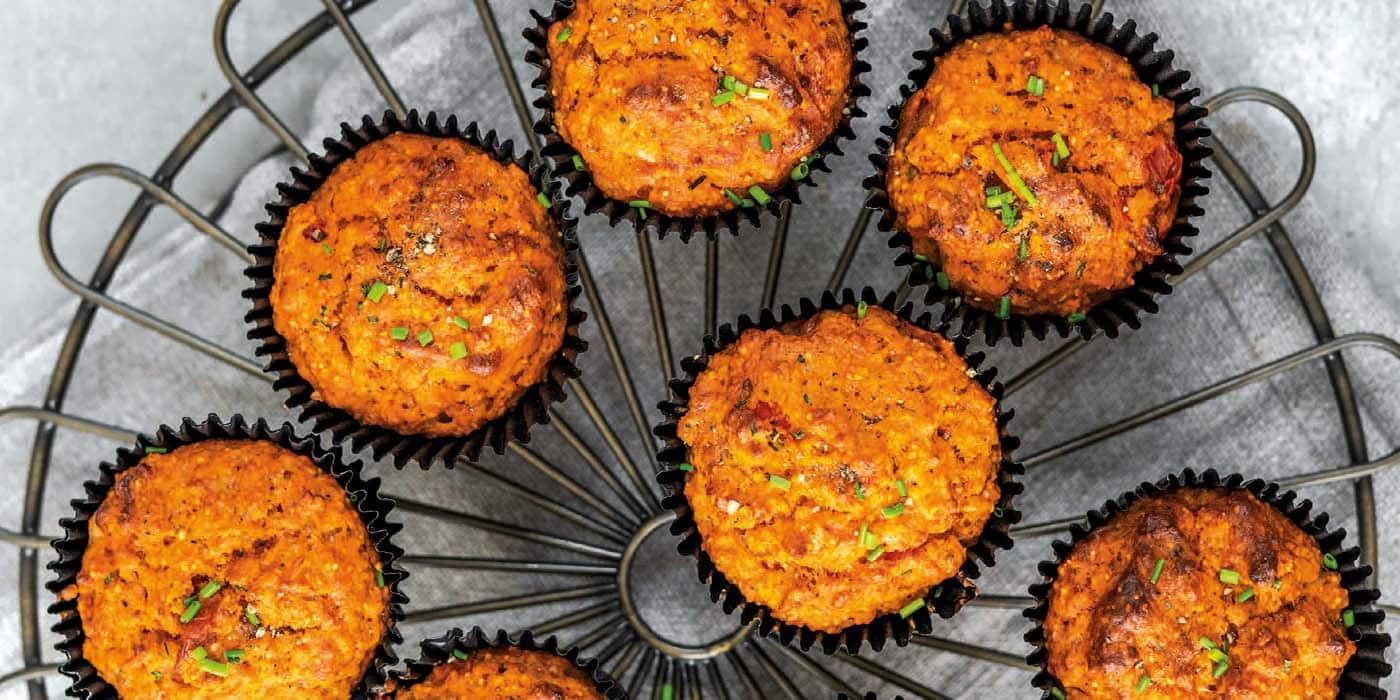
(1236, 315)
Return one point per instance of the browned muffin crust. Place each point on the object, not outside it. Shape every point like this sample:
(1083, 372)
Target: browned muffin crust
(1100, 213)
(1279, 626)
(806, 437)
(506, 673)
(634, 84)
(422, 286)
(228, 546)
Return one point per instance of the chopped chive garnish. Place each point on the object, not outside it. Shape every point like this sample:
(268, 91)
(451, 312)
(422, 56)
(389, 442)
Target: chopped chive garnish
(765, 141)
(740, 88)
(1157, 570)
(913, 607)
(578, 162)
(861, 309)
(801, 171)
(666, 691)
(214, 667)
(921, 258)
(1206, 643)
(564, 34)
(459, 654)
(941, 279)
(759, 195)
(1035, 85)
(191, 609)
(993, 190)
(1348, 617)
(379, 577)
(1156, 90)
(1008, 215)
(1014, 179)
(639, 204)
(758, 93)
(1057, 694)
(1329, 561)
(867, 538)
(696, 182)
(458, 350)
(860, 492)
(398, 333)
(722, 98)
(1061, 148)
(727, 82)
(746, 203)
(1024, 251)
(1229, 576)
(460, 322)
(210, 589)
(1244, 595)
(893, 511)
(1278, 583)
(1217, 655)
(1055, 160)
(1220, 669)
(327, 249)
(425, 337)
(1076, 317)
(383, 243)
(1143, 683)
(1004, 309)
(155, 675)
(903, 490)
(875, 553)
(376, 291)
(733, 197)
(199, 653)
(234, 656)
(1287, 665)
(779, 481)
(252, 617)
(543, 199)
(686, 467)
(156, 450)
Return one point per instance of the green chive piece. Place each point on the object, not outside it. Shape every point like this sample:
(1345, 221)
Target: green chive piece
(1055, 160)
(155, 675)
(666, 691)
(860, 492)
(398, 333)
(327, 249)
(941, 278)
(861, 309)
(458, 350)
(1156, 90)
(1217, 655)
(459, 654)
(733, 197)
(156, 450)
(564, 34)
(252, 617)
(199, 653)
(425, 337)
(191, 609)
(801, 171)
(727, 82)
(1004, 310)
(1278, 583)
(543, 199)
(1057, 694)
(1035, 85)
(234, 656)
(747, 203)
(741, 89)
(383, 243)
(1220, 669)
(686, 467)
(903, 490)
(379, 577)
(461, 322)
(1329, 561)
(1348, 617)
(639, 204)
(209, 589)
(1206, 643)
(779, 481)
(1244, 595)
(1008, 215)
(376, 291)
(1157, 570)
(1024, 251)
(758, 93)
(1229, 576)
(759, 195)
(578, 163)
(1287, 665)
(765, 141)
(1015, 180)
(913, 607)
(875, 553)
(1076, 317)
(214, 667)
(1061, 148)
(893, 511)
(1143, 683)
(867, 538)
(723, 98)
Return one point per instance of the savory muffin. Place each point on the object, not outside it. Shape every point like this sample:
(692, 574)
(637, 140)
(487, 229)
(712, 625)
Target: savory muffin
(1198, 593)
(504, 673)
(694, 107)
(1036, 171)
(422, 286)
(839, 465)
(230, 569)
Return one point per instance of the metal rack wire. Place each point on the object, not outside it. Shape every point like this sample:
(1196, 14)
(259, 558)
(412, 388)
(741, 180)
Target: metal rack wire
(611, 528)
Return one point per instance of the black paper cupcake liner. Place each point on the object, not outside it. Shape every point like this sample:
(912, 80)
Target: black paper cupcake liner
(515, 424)
(946, 598)
(580, 182)
(439, 650)
(1125, 307)
(1360, 677)
(372, 508)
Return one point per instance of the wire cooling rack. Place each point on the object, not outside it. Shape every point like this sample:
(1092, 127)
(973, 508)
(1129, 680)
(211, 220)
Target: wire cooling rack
(608, 530)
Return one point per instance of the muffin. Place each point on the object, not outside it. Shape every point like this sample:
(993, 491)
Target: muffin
(422, 286)
(1198, 592)
(228, 568)
(503, 673)
(1036, 172)
(839, 466)
(695, 108)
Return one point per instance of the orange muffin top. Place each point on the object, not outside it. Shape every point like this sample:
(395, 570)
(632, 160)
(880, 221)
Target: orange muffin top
(1205, 593)
(841, 465)
(1078, 199)
(645, 91)
(506, 673)
(422, 287)
(230, 569)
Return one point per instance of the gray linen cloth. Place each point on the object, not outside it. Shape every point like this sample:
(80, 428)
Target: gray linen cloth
(1236, 315)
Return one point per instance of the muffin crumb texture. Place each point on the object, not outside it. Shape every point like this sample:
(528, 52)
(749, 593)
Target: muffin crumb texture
(1198, 593)
(422, 286)
(841, 465)
(506, 673)
(230, 569)
(1037, 171)
(689, 106)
